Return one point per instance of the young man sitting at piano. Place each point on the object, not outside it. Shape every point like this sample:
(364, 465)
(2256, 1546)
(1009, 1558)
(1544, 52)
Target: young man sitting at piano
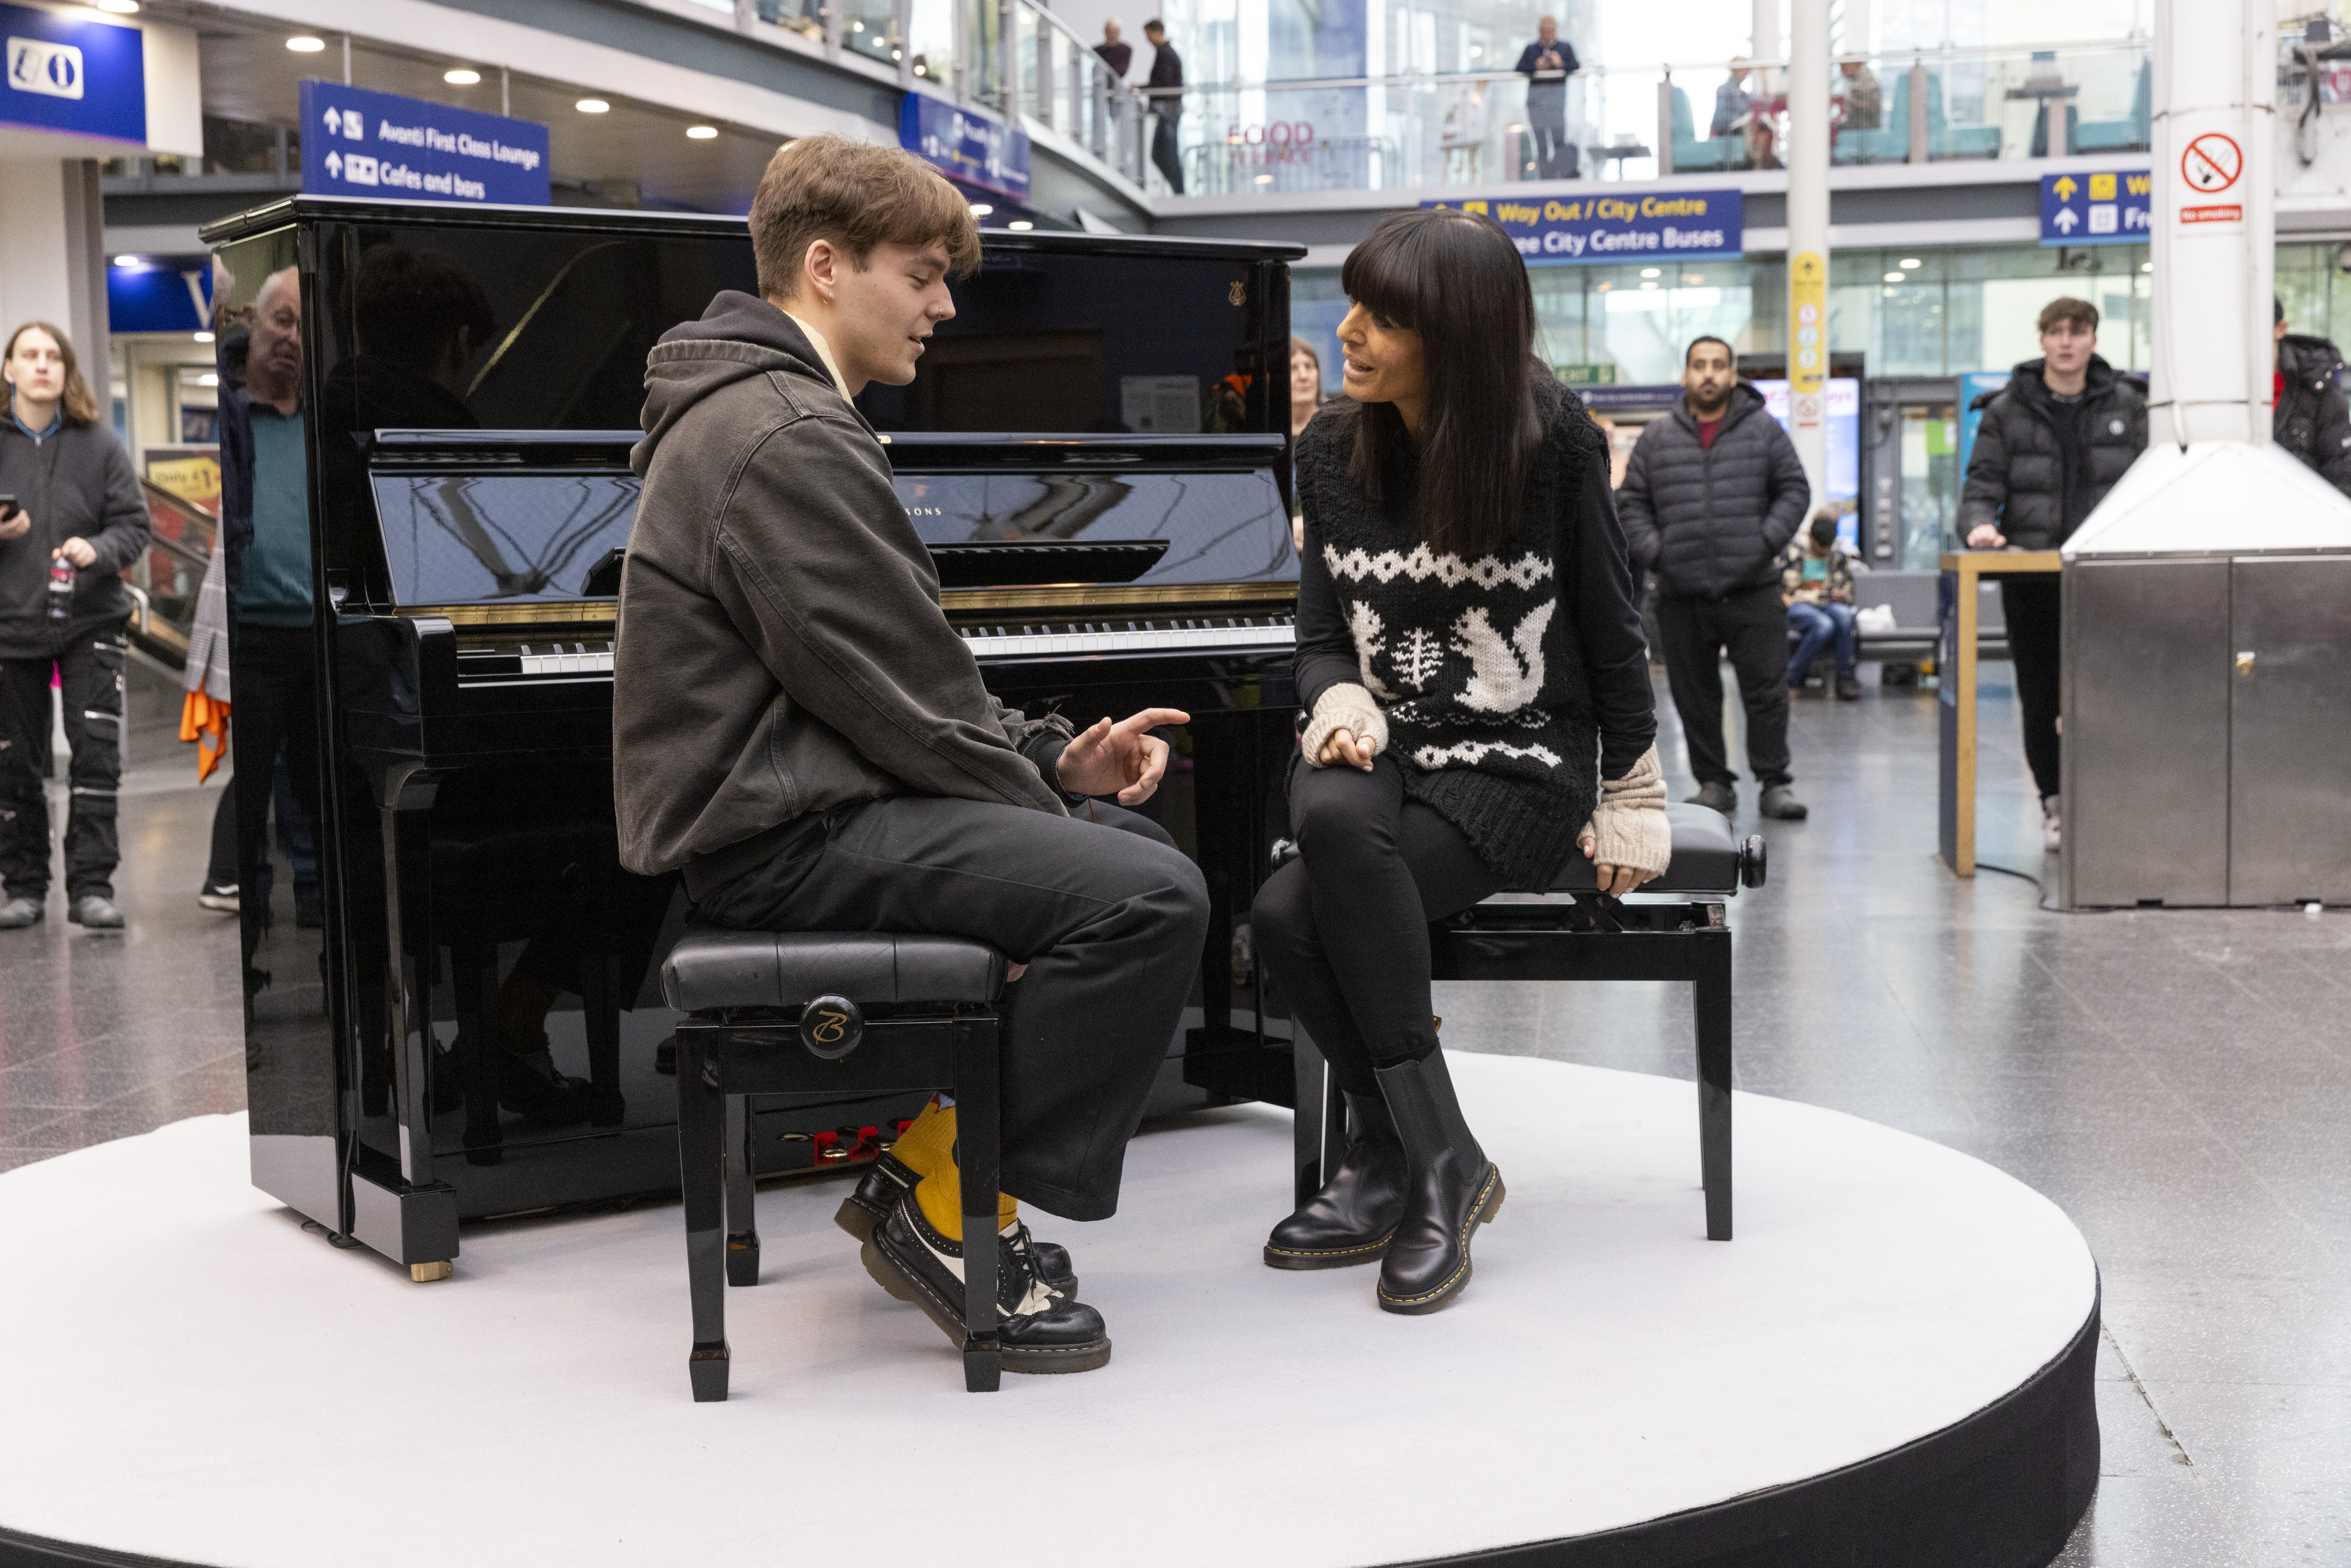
(797, 726)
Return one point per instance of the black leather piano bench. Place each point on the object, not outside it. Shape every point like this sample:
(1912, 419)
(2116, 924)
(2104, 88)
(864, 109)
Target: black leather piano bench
(826, 1012)
(1672, 929)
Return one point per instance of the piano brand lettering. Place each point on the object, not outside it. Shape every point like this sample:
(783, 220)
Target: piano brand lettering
(53, 70)
(1603, 228)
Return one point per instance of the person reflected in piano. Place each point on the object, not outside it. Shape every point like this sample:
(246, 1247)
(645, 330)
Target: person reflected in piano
(799, 729)
(1479, 717)
(1305, 397)
(265, 523)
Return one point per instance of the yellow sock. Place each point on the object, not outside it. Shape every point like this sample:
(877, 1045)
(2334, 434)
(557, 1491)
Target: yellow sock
(929, 1141)
(940, 1197)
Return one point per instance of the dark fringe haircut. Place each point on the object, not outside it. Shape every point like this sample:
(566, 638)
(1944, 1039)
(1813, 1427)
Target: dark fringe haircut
(77, 405)
(1457, 279)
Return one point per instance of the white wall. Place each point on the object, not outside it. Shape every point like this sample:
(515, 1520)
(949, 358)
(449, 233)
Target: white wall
(53, 269)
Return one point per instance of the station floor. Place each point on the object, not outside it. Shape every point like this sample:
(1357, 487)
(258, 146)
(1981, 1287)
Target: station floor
(2174, 1078)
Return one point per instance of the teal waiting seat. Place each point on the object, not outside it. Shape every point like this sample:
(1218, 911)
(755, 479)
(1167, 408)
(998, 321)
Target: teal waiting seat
(2132, 135)
(1697, 154)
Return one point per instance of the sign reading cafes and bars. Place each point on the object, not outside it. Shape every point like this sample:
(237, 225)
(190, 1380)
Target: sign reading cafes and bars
(977, 149)
(1658, 226)
(361, 143)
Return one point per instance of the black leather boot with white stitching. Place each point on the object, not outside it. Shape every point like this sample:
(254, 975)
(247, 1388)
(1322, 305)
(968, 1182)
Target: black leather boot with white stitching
(1351, 1219)
(1450, 1189)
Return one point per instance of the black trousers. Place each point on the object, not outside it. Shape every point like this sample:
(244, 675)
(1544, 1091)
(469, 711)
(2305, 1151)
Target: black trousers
(89, 668)
(1108, 914)
(1555, 156)
(2035, 613)
(1163, 153)
(1752, 625)
(274, 705)
(1345, 927)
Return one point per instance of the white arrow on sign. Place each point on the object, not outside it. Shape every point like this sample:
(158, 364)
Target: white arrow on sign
(335, 164)
(2065, 220)
(334, 123)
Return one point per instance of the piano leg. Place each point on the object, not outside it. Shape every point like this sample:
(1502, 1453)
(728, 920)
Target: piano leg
(702, 1175)
(1320, 1126)
(407, 1007)
(742, 1195)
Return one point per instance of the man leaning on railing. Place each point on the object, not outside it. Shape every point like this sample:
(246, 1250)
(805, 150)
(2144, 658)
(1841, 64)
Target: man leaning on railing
(1165, 91)
(1547, 63)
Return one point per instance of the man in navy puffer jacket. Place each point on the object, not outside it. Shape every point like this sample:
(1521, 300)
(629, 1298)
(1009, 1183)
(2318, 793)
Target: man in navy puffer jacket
(1713, 492)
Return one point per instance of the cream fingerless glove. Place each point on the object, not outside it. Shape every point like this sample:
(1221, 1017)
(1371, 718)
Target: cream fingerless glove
(1349, 707)
(1629, 829)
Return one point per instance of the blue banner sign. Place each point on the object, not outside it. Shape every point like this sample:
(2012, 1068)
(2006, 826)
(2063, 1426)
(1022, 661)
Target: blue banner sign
(361, 143)
(977, 149)
(1632, 225)
(163, 296)
(2108, 207)
(84, 79)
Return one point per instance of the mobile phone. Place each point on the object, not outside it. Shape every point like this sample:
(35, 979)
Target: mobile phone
(7, 507)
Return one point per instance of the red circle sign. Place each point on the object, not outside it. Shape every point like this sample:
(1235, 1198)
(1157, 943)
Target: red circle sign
(2212, 163)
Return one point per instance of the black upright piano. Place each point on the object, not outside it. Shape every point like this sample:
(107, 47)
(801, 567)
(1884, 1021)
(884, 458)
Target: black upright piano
(1096, 449)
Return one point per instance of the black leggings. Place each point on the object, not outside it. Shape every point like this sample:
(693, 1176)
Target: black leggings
(1345, 927)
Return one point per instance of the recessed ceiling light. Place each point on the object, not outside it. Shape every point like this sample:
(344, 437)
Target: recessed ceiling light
(204, 337)
(1263, 180)
(1652, 272)
(1023, 224)
(1601, 288)
(1908, 261)
(1693, 278)
(592, 105)
(119, 7)
(920, 71)
(897, 54)
(857, 27)
(461, 76)
(1896, 278)
(2147, 266)
(981, 209)
(128, 260)
(305, 43)
(702, 132)
(208, 380)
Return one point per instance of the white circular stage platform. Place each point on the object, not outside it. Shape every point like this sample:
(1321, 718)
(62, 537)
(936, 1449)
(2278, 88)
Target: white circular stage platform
(1893, 1360)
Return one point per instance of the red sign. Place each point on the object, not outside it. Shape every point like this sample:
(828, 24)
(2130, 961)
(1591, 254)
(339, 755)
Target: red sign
(2231, 214)
(2212, 163)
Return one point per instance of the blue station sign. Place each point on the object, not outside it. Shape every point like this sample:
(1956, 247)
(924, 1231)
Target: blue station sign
(2108, 207)
(1632, 225)
(83, 79)
(977, 149)
(361, 143)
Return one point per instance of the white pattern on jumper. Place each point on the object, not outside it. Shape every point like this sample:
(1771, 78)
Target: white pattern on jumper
(1366, 623)
(1423, 563)
(1418, 657)
(1469, 753)
(1508, 676)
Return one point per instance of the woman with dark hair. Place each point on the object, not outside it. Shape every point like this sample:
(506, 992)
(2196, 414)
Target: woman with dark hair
(75, 518)
(1478, 712)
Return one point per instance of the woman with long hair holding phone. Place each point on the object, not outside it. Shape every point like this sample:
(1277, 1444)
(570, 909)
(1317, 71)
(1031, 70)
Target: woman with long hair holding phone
(1479, 713)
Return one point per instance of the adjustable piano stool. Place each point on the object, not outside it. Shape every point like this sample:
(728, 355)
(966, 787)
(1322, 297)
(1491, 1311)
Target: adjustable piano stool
(806, 1012)
(1673, 929)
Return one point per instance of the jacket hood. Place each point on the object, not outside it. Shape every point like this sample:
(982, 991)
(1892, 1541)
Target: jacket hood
(2307, 359)
(1744, 399)
(738, 337)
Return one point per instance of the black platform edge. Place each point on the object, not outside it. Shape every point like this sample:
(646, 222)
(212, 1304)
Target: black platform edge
(2002, 1488)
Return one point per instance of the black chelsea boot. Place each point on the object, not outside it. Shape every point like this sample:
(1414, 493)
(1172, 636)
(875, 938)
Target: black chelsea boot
(1450, 1189)
(1351, 1219)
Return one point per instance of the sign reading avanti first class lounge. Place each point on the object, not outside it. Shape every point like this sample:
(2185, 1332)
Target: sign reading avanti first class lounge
(1617, 225)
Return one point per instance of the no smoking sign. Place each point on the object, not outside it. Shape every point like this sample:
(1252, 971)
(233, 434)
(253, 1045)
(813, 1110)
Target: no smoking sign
(2211, 162)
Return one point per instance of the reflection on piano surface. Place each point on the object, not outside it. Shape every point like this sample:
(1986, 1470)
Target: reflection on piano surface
(487, 1036)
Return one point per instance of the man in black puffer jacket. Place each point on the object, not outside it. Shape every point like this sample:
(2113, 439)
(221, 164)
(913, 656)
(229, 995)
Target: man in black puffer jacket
(1712, 494)
(2312, 420)
(2052, 444)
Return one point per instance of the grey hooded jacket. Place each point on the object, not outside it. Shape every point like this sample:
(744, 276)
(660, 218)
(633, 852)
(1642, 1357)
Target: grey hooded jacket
(781, 649)
(1711, 520)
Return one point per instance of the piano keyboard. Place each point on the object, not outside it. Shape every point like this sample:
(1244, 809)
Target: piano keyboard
(1170, 634)
(1164, 635)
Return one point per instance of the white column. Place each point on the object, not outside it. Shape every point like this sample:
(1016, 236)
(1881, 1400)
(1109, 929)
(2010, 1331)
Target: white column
(1807, 155)
(54, 267)
(2214, 215)
(1764, 42)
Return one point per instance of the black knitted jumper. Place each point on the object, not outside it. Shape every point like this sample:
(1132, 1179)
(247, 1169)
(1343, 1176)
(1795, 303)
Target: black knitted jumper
(1476, 663)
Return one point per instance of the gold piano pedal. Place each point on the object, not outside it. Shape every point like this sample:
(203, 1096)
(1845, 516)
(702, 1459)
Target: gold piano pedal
(425, 1273)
